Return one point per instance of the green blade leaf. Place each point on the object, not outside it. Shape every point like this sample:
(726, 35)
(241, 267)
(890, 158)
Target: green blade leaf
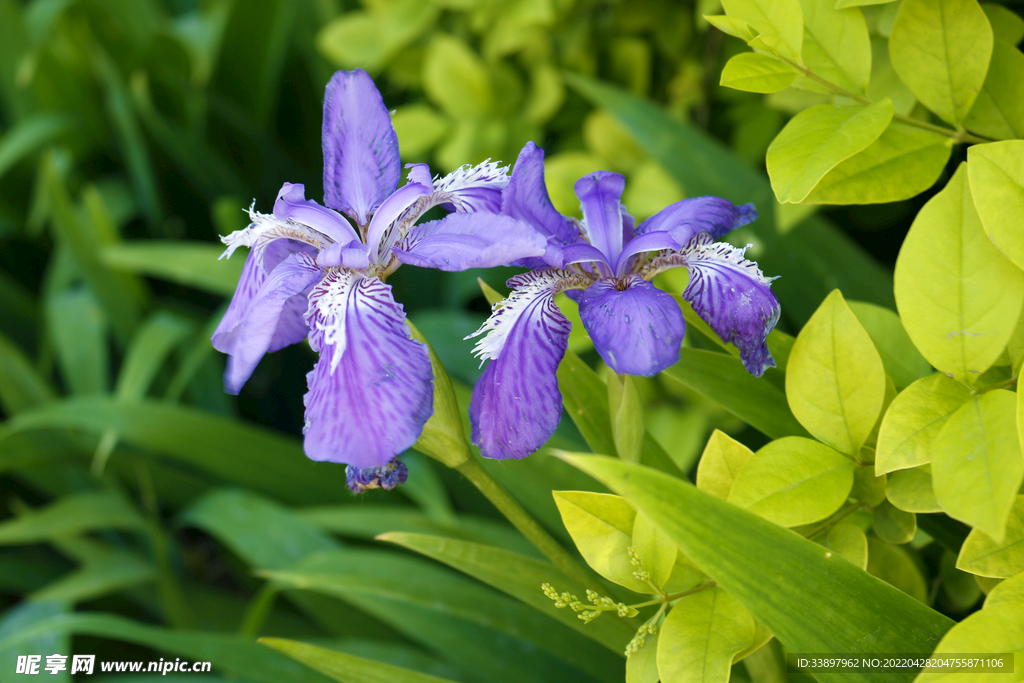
(977, 467)
(941, 50)
(470, 625)
(27, 136)
(902, 163)
(517, 576)
(984, 556)
(914, 419)
(835, 380)
(78, 332)
(753, 72)
(701, 636)
(21, 387)
(958, 297)
(147, 352)
(70, 516)
(999, 110)
(347, 668)
(249, 456)
(193, 264)
(816, 140)
(723, 379)
(113, 573)
(793, 481)
(997, 184)
(811, 602)
(23, 618)
(229, 653)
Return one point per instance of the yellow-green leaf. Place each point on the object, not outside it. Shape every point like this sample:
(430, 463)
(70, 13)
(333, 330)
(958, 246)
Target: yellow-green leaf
(958, 297)
(835, 381)
(983, 555)
(902, 163)
(996, 173)
(997, 629)
(976, 462)
(999, 110)
(419, 128)
(793, 481)
(642, 665)
(849, 542)
(656, 550)
(732, 26)
(941, 50)
(894, 525)
(754, 72)
(779, 22)
(911, 490)
(456, 79)
(1007, 25)
(700, 637)
(816, 140)
(1008, 592)
(601, 526)
(900, 358)
(836, 44)
(914, 419)
(868, 488)
(722, 460)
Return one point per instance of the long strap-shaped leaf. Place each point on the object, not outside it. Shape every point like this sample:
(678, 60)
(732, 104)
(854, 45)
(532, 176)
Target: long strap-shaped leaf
(811, 599)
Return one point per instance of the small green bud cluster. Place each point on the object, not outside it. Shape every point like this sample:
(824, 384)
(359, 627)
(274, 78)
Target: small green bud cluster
(650, 628)
(640, 574)
(599, 603)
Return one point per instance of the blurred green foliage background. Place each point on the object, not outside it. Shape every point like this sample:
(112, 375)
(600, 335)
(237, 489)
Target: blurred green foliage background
(135, 132)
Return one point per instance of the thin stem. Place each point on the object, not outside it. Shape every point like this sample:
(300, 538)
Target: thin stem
(957, 135)
(258, 610)
(832, 521)
(998, 385)
(675, 596)
(526, 524)
(175, 605)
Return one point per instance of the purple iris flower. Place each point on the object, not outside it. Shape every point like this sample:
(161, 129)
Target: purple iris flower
(636, 328)
(313, 273)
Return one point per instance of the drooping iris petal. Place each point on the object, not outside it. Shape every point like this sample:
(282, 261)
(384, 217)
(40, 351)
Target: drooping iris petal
(526, 198)
(292, 204)
(516, 404)
(372, 389)
(361, 162)
(686, 218)
(470, 240)
(272, 320)
(652, 241)
(599, 195)
(637, 330)
(732, 296)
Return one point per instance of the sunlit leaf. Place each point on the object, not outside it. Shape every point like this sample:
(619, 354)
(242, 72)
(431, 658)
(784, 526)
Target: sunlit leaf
(983, 555)
(700, 637)
(347, 668)
(753, 72)
(721, 463)
(996, 175)
(849, 542)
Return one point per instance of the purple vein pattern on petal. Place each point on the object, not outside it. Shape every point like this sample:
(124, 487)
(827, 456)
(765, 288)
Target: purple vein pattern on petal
(732, 296)
(599, 195)
(526, 198)
(516, 404)
(272, 319)
(470, 240)
(473, 188)
(372, 389)
(292, 204)
(652, 241)
(686, 218)
(361, 163)
(388, 213)
(637, 330)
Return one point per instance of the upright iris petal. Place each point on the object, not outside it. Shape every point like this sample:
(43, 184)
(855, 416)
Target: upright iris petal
(636, 328)
(317, 273)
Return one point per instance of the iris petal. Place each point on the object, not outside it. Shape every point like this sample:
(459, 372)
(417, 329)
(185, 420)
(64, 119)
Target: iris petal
(526, 198)
(470, 240)
(637, 329)
(516, 404)
(372, 389)
(599, 194)
(361, 162)
(732, 296)
(267, 319)
(686, 218)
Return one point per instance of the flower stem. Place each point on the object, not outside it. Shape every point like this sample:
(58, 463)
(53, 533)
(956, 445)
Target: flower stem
(175, 605)
(959, 135)
(675, 596)
(1005, 384)
(527, 525)
(258, 610)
